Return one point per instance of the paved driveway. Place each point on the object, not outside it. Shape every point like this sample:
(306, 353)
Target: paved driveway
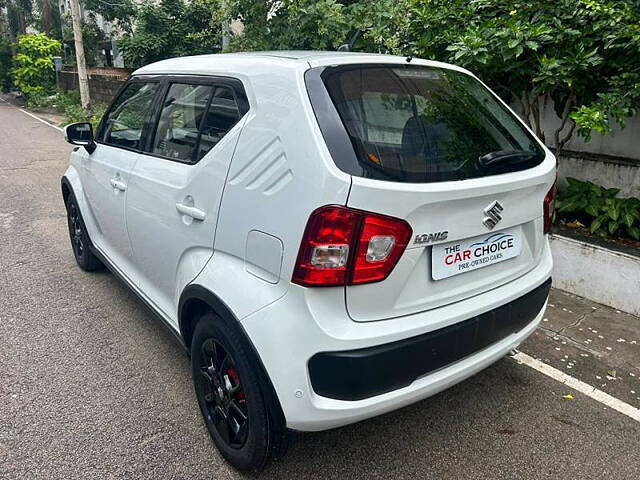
(92, 386)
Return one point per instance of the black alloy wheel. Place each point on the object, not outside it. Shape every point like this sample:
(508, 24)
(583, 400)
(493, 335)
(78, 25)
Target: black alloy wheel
(233, 395)
(75, 230)
(80, 242)
(225, 400)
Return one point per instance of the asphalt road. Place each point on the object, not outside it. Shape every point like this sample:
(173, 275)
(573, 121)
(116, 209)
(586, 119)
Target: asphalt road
(92, 386)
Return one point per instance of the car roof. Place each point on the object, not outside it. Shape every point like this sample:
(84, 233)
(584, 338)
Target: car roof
(253, 63)
(299, 54)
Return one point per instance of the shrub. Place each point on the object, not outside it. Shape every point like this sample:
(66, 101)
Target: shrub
(606, 214)
(41, 99)
(68, 103)
(34, 70)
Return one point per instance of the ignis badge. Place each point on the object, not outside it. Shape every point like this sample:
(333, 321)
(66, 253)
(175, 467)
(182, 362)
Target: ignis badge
(431, 237)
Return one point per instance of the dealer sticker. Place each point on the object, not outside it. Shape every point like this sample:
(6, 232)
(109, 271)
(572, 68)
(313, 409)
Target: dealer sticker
(453, 258)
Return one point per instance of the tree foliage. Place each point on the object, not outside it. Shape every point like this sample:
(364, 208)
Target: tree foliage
(19, 16)
(42, 15)
(317, 24)
(34, 70)
(168, 29)
(579, 56)
(47, 18)
(118, 11)
(92, 37)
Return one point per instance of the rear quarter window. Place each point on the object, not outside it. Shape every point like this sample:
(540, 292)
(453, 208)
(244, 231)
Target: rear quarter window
(422, 124)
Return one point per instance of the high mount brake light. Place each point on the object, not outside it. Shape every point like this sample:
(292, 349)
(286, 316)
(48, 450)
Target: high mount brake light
(344, 246)
(548, 207)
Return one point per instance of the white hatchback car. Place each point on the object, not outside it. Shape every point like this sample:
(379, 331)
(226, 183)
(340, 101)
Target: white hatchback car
(331, 235)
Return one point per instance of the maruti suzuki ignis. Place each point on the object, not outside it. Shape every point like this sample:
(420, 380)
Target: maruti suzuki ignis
(331, 235)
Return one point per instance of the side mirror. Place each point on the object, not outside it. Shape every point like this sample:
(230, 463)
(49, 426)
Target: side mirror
(80, 133)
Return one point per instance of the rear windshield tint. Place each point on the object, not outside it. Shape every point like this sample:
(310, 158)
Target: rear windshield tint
(420, 124)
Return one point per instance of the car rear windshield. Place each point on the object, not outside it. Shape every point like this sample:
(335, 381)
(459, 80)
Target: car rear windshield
(421, 124)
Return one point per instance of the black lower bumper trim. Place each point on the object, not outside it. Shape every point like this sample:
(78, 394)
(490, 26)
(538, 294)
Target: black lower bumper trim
(363, 373)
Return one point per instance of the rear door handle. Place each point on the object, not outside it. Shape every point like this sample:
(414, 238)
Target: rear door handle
(119, 184)
(191, 211)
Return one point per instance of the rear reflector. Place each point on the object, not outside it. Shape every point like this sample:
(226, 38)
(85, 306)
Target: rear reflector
(548, 208)
(344, 246)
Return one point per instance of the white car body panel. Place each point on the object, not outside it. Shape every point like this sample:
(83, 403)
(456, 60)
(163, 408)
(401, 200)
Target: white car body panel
(276, 164)
(456, 207)
(157, 230)
(107, 203)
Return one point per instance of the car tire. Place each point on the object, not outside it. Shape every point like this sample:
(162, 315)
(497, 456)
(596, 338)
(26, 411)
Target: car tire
(80, 241)
(228, 388)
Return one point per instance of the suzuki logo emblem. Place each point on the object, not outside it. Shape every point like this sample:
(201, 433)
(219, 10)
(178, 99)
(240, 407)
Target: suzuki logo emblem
(493, 216)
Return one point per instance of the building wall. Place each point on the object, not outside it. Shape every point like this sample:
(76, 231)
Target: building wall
(611, 160)
(616, 283)
(104, 83)
(605, 171)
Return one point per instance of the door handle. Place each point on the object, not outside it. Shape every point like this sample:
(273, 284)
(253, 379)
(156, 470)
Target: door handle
(119, 184)
(191, 211)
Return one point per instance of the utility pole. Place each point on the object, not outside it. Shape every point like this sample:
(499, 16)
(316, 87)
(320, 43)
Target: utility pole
(83, 80)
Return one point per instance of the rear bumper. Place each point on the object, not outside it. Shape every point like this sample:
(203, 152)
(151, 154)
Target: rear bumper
(363, 373)
(288, 333)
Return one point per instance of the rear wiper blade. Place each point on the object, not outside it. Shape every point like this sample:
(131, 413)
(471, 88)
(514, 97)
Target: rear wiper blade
(500, 157)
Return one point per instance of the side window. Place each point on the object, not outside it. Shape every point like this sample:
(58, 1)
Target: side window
(179, 126)
(126, 118)
(222, 115)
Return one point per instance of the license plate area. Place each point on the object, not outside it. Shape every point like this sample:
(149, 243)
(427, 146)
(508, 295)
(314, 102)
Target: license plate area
(454, 258)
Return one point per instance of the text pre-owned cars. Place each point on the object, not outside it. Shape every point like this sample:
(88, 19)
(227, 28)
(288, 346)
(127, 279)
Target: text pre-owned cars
(331, 235)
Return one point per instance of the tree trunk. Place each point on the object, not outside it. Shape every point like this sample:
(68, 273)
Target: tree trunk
(561, 140)
(83, 80)
(22, 23)
(46, 16)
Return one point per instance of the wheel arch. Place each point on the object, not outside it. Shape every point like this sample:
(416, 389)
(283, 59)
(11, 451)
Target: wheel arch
(195, 300)
(66, 188)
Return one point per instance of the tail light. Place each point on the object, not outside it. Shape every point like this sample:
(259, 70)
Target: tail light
(344, 246)
(548, 206)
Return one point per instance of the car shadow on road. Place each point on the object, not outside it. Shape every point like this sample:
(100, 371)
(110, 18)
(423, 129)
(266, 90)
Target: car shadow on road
(433, 435)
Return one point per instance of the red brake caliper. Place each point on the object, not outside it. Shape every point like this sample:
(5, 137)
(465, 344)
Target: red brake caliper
(236, 380)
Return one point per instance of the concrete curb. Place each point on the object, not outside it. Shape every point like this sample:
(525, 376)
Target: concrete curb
(597, 273)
